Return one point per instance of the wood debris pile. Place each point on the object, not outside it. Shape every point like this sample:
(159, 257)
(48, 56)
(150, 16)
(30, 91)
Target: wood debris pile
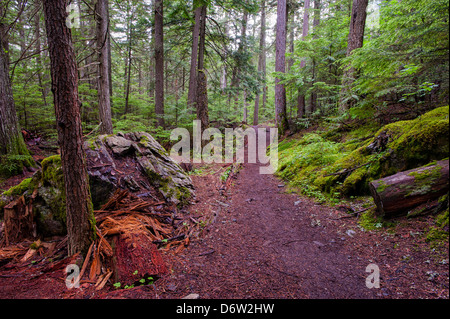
(130, 234)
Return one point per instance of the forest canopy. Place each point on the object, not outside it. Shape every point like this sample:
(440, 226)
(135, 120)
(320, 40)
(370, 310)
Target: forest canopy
(357, 91)
(393, 65)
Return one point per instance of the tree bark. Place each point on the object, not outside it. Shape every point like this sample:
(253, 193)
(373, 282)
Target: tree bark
(37, 37)
(236, 78)
(202, 87)
(397, 194)
(316, 22)
(300, 105)
(192, 91)
(11, 139)
(151, 80)
(128, 58)
(355, 40)
(280, 66)
(159, 63)
(79, 210)
(104, 48)
(245, 113)
(128, 76)
(261, 62)
(301, 108)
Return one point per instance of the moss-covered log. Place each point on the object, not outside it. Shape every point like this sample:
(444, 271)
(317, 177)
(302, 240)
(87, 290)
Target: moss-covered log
(395, 195)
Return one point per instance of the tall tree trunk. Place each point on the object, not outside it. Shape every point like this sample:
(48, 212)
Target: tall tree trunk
(224, 79)
(192, 91)
(11, 139)
(151, 81)
(280, 66)
(37, 38)
(241, 48)
(355, 40)
(245, 113)
(305, 26)
(159, 63)
(87, 33)
(261, 63)
(79, 209)
(301, 108)
(23, 50)
(202, 87)
(128, 76)
(316, 21)
(103, 47)
(128, 58)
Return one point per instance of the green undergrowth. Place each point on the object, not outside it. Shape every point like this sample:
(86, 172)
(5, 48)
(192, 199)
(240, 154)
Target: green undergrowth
(329, 164)
(370, 221)
(438, 232)
(11, 165)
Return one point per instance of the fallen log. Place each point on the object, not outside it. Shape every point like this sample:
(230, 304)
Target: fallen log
(395, 195)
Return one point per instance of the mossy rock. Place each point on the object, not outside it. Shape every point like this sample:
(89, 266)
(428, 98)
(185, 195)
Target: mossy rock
(149, 172)
(347, 164)
(161, 170)
(417, 142)
(46, 187)
(408, 144)
(52, 173)
(26, 185)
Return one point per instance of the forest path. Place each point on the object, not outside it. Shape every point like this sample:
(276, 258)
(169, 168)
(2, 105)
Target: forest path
(257, 240)
(268, 243)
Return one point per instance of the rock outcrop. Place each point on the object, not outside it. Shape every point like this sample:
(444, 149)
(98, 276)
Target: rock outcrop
(111, 158)
(133, 161)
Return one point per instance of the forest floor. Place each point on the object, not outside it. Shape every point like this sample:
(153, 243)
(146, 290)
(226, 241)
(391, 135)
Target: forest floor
(260, 240)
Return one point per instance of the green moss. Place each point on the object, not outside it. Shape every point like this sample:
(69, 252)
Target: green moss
(423, 180)
(410, 144)
(52, 171)
(355, 183)
(183, 196)
(12, 165)
(439, 232)
(443, 199)
(53, 190)
(382, 186)
(421, 140)
(442, 220)
(343, 163)
(363, 132)
(369, 221)
(55, 159)
(26, 184)
(92, 144)
(426, 175)
(17, 158)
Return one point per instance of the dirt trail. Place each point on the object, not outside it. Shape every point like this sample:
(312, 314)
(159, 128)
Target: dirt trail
(259, 241)
(267, 243)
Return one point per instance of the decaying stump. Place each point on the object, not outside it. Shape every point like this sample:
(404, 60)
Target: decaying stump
(395, 195)
(19, 221)
(136, 258)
